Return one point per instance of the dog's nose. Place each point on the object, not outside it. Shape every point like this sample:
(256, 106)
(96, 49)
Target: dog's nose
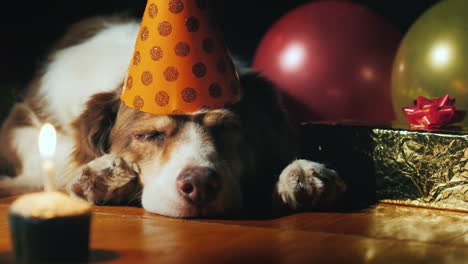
(198, 184)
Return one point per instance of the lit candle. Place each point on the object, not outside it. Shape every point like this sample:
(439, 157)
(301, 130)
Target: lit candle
(49, 226)
(47, 144)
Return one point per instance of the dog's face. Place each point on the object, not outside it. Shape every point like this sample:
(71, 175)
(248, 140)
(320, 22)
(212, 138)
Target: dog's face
(190, 164)
(204, 164)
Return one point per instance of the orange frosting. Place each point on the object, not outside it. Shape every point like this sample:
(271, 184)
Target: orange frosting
(181, 63)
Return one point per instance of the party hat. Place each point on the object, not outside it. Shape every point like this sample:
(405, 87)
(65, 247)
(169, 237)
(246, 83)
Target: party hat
(180, 63)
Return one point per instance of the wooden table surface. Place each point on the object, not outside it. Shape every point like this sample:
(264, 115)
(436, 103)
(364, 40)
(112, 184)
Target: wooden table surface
(382, 234)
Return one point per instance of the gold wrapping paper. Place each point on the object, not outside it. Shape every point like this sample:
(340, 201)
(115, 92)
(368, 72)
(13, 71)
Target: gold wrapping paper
(434, 164)
(412, 167)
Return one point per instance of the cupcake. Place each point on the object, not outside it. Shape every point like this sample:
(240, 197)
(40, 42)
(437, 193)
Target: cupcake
(48, 227)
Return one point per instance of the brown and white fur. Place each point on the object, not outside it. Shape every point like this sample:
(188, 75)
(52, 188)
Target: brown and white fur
(213, 162)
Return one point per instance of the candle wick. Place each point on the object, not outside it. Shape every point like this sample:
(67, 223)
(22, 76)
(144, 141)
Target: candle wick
(49, 185)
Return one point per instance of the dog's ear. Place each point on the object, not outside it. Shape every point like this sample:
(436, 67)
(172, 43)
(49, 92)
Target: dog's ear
(92, 128)
(263, 116)
(260, 94)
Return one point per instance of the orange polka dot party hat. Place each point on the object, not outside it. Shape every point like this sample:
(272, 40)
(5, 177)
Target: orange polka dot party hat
(180, 64)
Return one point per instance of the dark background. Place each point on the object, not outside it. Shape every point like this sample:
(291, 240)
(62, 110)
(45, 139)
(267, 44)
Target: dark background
(29, 27)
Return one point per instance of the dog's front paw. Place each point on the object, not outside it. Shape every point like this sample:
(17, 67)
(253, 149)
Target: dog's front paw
(108, 180)
(305, 185)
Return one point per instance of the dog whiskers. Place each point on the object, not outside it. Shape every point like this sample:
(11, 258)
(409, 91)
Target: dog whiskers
(135, 196)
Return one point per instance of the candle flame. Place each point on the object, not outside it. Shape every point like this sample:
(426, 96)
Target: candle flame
(47, 141)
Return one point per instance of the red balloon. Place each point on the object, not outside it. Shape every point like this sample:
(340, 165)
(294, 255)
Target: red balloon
(332, 60)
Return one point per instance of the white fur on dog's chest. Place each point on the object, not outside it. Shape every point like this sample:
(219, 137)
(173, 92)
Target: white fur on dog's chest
(76, 73)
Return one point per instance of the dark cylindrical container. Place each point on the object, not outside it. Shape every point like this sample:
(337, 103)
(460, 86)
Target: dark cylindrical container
(59, 239)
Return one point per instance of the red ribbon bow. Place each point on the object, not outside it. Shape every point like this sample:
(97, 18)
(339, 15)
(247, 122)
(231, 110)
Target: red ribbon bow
(433, 113)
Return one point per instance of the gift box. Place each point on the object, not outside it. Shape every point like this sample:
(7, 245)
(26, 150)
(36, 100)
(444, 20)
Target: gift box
(394, 164)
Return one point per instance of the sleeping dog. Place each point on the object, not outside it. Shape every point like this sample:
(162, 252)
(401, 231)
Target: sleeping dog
(209, 163)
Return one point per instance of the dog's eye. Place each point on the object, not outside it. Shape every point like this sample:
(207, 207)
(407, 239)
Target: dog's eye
(151, 136)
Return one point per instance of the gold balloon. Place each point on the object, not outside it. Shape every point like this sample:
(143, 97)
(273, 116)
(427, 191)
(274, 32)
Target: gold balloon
(433, 58)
